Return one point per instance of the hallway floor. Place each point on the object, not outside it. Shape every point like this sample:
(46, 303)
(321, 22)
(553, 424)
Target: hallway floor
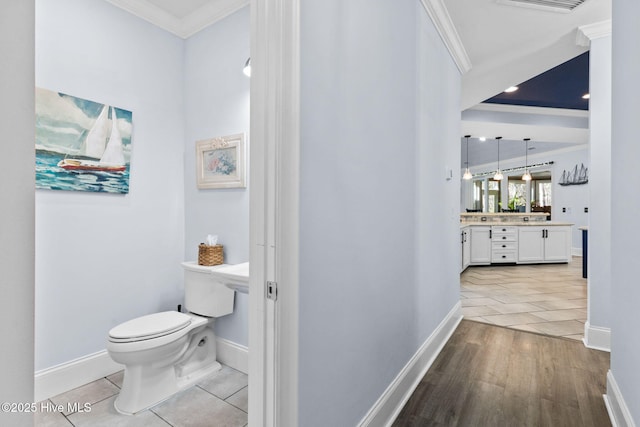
(219, 400)
(550, 299)
(489, 375)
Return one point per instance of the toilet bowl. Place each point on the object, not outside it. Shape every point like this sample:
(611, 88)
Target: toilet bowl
(167, 352)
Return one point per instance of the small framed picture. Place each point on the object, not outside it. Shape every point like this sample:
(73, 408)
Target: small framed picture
(221, 162)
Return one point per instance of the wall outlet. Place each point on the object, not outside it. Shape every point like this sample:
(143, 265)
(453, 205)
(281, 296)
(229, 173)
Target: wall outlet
(586, 209)
(564, 210)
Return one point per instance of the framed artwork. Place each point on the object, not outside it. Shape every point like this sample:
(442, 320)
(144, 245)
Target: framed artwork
(81, 145)
(221, 162)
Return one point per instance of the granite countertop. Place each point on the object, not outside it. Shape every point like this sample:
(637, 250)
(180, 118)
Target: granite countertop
(516, 223)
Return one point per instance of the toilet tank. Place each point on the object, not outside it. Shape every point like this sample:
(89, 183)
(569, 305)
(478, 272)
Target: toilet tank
(202, 294)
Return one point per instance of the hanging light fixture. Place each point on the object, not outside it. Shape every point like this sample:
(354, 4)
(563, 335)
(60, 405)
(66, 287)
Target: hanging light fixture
(498, 176)
(527, 175)
(247, 68)
(467, 173)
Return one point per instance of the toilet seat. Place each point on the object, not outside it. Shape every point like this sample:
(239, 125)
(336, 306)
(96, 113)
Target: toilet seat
(149, 327)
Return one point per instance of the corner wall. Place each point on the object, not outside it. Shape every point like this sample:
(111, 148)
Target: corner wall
(380, 119)
(17, 248)
(217, 104)
(103, 259)
(625, 251)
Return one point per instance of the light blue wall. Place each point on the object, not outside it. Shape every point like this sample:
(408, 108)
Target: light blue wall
(625, 205)
(17, 248)
(217, 104)
(379, 116)
(102, 259)
(600, 190)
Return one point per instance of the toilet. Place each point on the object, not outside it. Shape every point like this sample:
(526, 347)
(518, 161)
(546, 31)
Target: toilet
(164, 353)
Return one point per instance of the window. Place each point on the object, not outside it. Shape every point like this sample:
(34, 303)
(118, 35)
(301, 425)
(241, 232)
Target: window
(517, 194)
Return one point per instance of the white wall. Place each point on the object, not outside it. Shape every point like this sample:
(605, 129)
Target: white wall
(17, 248)
(600, 189)
(217, 104)
(102, 259)
(379, 114)
(572, 197)
(625, 205)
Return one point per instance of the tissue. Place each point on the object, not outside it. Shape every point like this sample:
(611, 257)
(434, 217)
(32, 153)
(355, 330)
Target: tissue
(212, 239)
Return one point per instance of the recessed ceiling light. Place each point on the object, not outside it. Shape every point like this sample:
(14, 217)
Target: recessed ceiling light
(511, 89)
(586, 96)
(482, 138)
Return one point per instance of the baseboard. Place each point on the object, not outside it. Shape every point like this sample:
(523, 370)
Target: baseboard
(386, 409)
(234, 355)
(67, 376)
(616, 406)
(576, 252)
(597, 337)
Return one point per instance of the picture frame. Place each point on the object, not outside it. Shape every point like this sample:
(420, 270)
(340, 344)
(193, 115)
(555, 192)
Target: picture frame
(221, 162)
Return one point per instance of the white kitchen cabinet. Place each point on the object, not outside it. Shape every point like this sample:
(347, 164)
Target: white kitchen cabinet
(465, 240)
(480, 245)
(544, 244)
(504, 244)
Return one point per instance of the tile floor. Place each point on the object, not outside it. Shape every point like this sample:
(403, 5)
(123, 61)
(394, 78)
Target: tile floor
(548, 298)
(220, 400)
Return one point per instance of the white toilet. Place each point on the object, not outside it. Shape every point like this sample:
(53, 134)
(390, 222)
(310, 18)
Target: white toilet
(166, 352)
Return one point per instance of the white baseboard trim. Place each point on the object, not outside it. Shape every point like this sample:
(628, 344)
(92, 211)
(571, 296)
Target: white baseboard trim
(67, 376)
(58, 379)
(234, 355)
(597, 337)
(576, 252)
(616, 406)
(386, 409)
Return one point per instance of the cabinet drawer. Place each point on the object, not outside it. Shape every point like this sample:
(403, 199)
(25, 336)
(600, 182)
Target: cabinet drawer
(505, 246)
(504, 229)
(504, 237)
(503, 256)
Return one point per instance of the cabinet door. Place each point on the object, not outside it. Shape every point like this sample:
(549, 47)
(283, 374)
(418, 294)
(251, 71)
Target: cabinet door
(480, 245)
(530, 244)
(466, 248)
(557, 245)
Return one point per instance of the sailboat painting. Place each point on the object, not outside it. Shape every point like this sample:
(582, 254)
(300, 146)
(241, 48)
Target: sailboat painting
(81, 145)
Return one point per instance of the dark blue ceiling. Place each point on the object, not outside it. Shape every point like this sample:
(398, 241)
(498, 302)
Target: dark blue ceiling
(559, 87)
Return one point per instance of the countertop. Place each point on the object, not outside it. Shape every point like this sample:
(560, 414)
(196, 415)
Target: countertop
(517, 223)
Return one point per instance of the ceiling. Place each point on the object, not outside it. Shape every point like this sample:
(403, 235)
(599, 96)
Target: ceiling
(506, 46)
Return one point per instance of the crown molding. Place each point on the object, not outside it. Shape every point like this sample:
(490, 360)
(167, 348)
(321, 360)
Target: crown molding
(184, 28)
(439, 14)
(597, 30)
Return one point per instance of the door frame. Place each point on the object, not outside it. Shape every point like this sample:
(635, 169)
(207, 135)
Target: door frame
(274, 212)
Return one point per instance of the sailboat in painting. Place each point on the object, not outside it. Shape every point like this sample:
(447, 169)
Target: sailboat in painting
(100, 145)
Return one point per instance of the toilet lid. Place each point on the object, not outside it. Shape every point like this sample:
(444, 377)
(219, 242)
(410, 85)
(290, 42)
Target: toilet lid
(150, 326)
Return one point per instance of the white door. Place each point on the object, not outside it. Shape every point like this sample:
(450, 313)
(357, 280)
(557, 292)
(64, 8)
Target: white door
(557, 244)
(480, 245)
(531, 244)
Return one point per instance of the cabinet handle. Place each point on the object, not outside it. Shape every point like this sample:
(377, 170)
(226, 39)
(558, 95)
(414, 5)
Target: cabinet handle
(504, 229)
(543, 233)
(504, 246)
(504, 256)
(490, 233)
(504, 237)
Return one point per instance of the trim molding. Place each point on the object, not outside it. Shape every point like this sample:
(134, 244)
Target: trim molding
(597, 30)
(616, 406)
(597, 337)
(576, 252)
(58, 379)
(386, 409)
(440, 17)
(187, 26)
(61, 378)
(233, 355)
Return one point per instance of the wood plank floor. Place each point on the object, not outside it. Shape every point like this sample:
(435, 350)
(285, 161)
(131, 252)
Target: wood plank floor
(491, 376)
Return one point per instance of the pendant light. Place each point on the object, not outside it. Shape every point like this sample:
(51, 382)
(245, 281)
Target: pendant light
(467, 173)
(527, 175)
(498, 176)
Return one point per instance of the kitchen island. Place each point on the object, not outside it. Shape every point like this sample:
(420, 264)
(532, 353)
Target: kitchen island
(515, 238)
